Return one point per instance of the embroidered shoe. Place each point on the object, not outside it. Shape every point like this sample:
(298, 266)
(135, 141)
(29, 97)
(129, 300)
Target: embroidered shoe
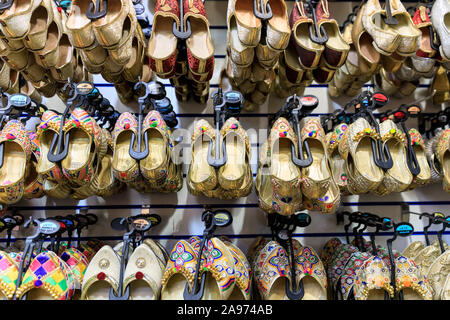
(373, 281)
(47, 278)
(77, 263)
(347, 280)
(328, 250)
(413, 249)
(242, 289)
(248, 25)
(125, 168)
(337, 164)
(278, 30)
(34, 185)
(17, 153)
(86, 148)
(101, 275)
(442, 154)
(180, 270)
(143, 274)
(16, 21)
(438, 273)
(424, 176)
(108, 184)
(311, 272)
(410, 281)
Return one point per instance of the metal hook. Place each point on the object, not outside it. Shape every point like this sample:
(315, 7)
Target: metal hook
(390, 20)
(181, 33)
(262, 12)
(319, 35)
(6, 4)
(95, 13)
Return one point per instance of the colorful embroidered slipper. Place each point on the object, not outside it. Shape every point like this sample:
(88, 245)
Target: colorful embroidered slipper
(180, 270)
(311, 272)
(77, 263)
(254, 249)
(86, 148)
(232, 174)
(410, 281)
(328, 203)
(413, 249)
(373, 281)
(155, 165)
(272, 272)
(201, 175)
(438, 273)
(9, 272)
(47, 278)
(337, 164)
(143, 274)
(49, 126)
(101, 274)
(125, 168)
(17, 153)
(348, 276)
(242, 290)
(342, 256)
(355, 148)
(34, 187)
(328, 250)
(107, 182)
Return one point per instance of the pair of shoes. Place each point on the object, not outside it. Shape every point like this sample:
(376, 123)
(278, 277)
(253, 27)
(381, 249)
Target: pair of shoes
(158, 168)
(232, 180)
(142, 275)
(228, 274)
(402, 38)
(272, 263)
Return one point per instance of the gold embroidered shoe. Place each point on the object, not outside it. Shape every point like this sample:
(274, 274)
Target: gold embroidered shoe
(398, 178)
(425, 258)
(101, 275)
(143, 274)
(310, 270)
(242, 289)
(438, 273)
(373, 281)
(201, 176)
(159, 251)
(17, 153)
(180, 270)
(328, 203)
(9, 272)
(413, 249)
(442, 154)
(424, 176)
(108, 184)
(410, 281)
(263, 183)
(78, 26)
(337, 164)
(356, 149)
(155, 165)
(272, 272)
(125, 168)
(47, 278)
(278, 30)
(16, 20)
(248, 25)
(316, 178)
(34, 184)
(232, 174)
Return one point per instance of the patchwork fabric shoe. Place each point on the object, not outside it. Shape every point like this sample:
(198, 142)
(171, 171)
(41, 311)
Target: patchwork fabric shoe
(9, 272)
(86, 147)
(77, 263)
(373, 281)
(272, 272)
(143, 274)
(17, 153)
(311, 272)
(47, 278)
(180, 270)
(410, 281)
(101, 275)
(125, 168)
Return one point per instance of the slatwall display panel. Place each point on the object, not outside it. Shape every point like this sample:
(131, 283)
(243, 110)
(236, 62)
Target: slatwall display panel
(181, 212)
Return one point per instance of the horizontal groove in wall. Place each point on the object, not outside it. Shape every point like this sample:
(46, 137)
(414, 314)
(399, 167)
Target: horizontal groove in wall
(216, 205)
(233, 236)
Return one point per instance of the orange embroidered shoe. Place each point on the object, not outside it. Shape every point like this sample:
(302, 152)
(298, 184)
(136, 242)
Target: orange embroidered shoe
(180, 270)
(310, 270)
(373, 281)
(34, 184)
(162, 58)
(9, 272)
(410, 282)
(125, 168)
(47, 278)
(17, 153)
(316, 178)
(86, 148)
(155, 166)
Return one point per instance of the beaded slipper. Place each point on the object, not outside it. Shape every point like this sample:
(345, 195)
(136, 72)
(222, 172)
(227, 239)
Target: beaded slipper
(373, 281)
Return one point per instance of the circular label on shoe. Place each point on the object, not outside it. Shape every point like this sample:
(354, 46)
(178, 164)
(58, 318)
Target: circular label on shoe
(303, 220)
(142, 224)
(19, 100)
(85, 88)
(404, 229)
(49, 227)
(309, 101)
(222, 219)
(233, 96)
